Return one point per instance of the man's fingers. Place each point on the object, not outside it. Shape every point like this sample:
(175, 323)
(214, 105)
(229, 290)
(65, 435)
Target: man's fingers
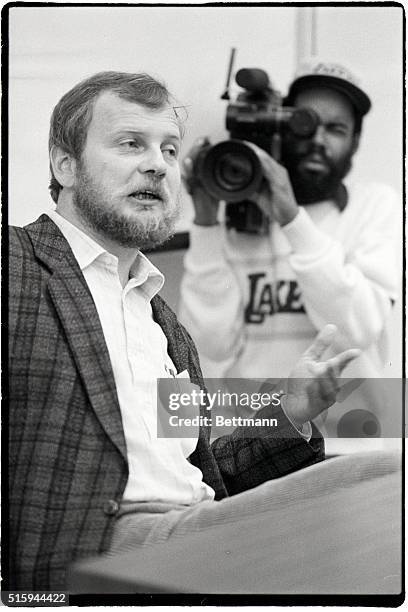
(339, 362)
(322, 341)
(333, 367)
(187, 163)
(188, 176)
(348, 388)
(198, 145)
(201, 141)
(187, 168)
(271, 168)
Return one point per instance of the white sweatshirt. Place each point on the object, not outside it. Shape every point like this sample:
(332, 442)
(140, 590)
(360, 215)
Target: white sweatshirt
(254, 304)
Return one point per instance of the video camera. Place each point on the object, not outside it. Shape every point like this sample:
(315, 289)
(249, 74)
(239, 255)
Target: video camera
(231, 170)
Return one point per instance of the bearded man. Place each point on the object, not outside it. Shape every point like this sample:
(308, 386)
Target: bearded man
(253, 302)
(89, 337)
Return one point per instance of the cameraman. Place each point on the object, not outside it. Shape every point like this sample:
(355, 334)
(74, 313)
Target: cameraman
(254, 302)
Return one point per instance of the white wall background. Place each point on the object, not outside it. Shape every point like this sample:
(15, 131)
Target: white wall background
(371, 40)
(52, 48)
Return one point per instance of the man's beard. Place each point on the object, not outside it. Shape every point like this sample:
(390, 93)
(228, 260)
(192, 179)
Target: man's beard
(107, 219)
(310, 187)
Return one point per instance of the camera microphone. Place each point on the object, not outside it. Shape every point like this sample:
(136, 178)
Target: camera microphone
(252, 79)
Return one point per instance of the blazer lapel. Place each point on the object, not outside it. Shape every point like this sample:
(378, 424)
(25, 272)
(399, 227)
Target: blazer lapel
(177, 342)
(78, 315)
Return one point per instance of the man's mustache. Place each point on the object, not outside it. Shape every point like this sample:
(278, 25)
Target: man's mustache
(151, 186)
(315, 149)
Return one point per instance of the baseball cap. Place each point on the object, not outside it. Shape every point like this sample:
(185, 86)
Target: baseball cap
(319, 73)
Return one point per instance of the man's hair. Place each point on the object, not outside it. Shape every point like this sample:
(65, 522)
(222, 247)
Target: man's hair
(73, 113)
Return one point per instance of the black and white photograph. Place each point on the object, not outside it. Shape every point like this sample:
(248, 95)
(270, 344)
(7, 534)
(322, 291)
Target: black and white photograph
(203, 291)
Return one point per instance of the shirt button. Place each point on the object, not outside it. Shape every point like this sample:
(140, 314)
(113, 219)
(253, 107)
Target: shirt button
(111, 507)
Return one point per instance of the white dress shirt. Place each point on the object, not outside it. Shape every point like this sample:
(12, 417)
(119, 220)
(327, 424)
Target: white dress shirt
(158, 467)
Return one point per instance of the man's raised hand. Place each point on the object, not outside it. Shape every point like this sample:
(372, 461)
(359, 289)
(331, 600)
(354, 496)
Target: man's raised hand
(314, 382)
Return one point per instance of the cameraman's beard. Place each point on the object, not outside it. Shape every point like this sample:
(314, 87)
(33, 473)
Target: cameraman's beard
(107, 218)
(308, 186)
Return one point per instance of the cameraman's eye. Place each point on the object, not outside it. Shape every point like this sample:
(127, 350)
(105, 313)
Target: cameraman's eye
(337, 129)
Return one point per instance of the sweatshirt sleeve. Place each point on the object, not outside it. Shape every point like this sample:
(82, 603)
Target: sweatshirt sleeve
(353, 289)
(211, 306)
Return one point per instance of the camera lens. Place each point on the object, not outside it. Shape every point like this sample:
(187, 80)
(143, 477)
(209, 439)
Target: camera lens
(231, 171)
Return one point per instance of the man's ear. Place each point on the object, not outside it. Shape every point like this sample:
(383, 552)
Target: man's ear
(63, 166)
(356, 143)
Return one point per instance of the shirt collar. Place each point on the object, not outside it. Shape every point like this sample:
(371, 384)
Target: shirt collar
(85, 249)
(143, 273)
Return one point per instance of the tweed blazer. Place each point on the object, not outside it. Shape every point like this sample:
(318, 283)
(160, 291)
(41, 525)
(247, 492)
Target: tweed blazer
(67, 454)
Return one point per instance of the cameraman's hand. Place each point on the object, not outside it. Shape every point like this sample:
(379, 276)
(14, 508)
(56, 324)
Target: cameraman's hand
(276, 197)
(205, 206)
(313, 384)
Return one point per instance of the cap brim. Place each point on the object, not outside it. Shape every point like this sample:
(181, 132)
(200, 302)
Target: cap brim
(357, 97)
